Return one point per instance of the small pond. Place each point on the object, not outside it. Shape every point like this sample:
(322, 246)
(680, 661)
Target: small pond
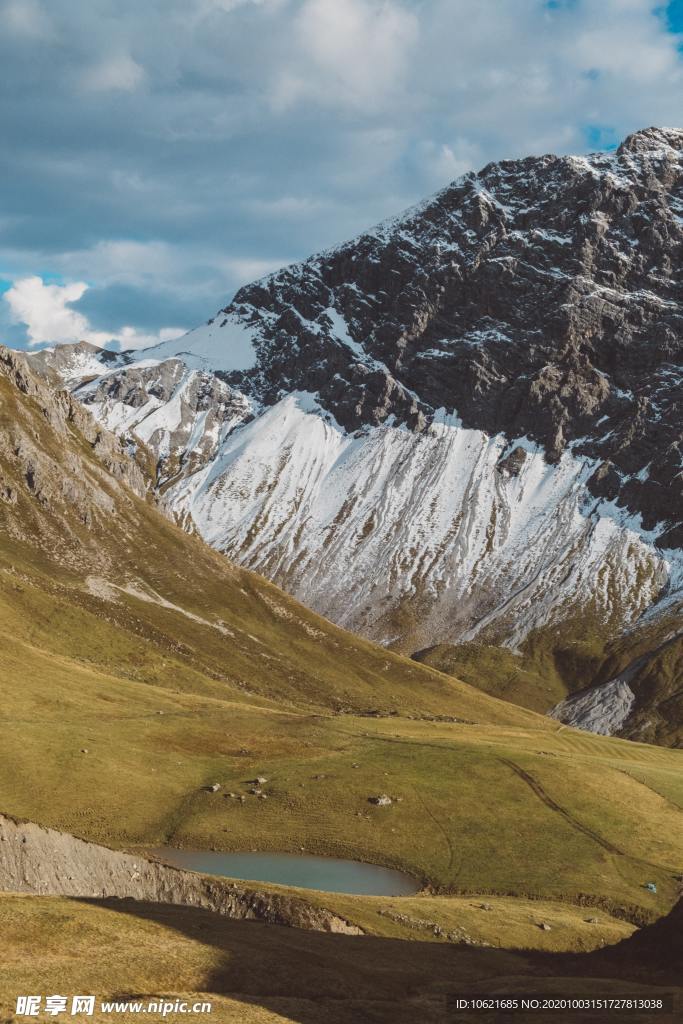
(327, 874)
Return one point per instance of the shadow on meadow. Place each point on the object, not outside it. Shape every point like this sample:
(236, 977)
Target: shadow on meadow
(312, 977)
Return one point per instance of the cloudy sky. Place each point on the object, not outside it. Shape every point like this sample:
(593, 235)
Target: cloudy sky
(155, 155)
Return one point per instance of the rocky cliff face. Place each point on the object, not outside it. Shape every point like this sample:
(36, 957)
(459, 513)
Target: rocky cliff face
(65, 418)
(63, 475)
(468, 418)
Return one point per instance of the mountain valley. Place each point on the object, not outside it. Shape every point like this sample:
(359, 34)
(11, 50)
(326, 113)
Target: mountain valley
(171, 670)
(147, 682)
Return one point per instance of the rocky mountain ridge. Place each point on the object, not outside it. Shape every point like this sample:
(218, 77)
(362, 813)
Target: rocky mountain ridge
(469, 417)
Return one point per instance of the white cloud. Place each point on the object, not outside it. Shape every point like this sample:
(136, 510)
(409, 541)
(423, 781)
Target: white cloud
(347, 52)
(124, 261)
(26, 18)
(244, 271)
(116, 73)
(46, 311)
(130, 337)
(153, 265)
(206, 7)
(263, 130)
(288, 206)
(444, 162)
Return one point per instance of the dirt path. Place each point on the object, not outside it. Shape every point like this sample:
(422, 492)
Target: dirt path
(443, 832)
(537, 788)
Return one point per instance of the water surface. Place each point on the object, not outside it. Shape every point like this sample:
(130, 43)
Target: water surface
(327, 874)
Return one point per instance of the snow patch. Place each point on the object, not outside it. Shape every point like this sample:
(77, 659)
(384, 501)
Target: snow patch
(226, 345)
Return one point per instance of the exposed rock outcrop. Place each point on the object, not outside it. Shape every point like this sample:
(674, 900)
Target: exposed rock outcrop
(44, 861)
(64, 414)
(62, 472)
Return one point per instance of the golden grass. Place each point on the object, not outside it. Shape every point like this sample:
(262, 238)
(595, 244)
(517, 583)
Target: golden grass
(257, 973)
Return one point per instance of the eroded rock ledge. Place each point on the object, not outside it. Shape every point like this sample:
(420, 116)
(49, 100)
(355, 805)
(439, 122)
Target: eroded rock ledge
(46, 862)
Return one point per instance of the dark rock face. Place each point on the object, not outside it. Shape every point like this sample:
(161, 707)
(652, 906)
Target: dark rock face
(512, 463)
(541, 296)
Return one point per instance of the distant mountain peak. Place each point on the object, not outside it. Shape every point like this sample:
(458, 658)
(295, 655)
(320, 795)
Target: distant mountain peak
(653, 139)
(363, 406)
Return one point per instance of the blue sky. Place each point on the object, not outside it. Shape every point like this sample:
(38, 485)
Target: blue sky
(157, 155)
(673, 12)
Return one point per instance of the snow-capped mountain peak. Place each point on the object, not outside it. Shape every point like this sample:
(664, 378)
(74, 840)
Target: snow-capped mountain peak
(468, 418)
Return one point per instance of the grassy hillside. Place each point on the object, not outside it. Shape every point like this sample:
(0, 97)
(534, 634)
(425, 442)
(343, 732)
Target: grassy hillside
(137, 667)
(550, 664)
(558, 661)
(499, 672)
(94, 572)
(503, 801)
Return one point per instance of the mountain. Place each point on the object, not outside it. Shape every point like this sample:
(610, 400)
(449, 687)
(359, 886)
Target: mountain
(147, 682)
(92, 568)
(468, 418)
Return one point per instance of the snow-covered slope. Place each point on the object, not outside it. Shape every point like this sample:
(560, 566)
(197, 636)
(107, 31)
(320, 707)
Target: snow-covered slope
(225, 344)
(464, 424)
(364, 527)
